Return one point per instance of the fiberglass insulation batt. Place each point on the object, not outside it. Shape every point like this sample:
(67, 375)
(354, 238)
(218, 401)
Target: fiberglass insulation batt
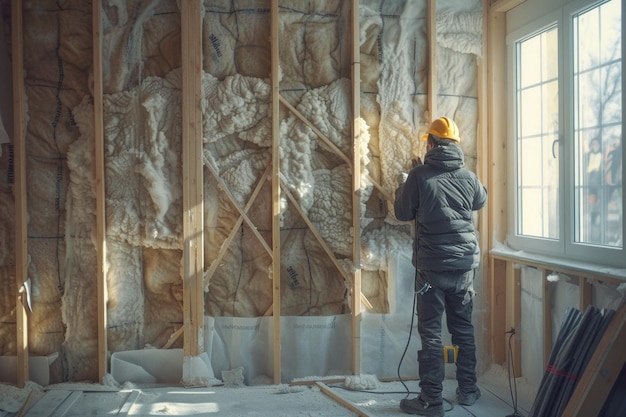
(143, 167)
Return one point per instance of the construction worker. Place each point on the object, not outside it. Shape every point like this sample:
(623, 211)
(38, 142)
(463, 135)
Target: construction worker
(440, 196)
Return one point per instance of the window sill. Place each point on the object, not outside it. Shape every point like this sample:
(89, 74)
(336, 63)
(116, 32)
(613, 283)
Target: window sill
(565, 266)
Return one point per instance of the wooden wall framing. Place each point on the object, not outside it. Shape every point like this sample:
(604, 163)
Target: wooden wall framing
(193, 247)
(506, 304)
(275, 73)
(194, 278)
(193, 196)
(356, 187)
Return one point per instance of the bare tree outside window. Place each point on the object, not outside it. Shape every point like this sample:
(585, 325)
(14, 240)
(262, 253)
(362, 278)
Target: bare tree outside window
(598, 125)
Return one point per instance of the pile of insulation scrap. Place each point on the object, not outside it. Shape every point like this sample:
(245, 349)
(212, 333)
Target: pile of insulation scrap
(576, 342)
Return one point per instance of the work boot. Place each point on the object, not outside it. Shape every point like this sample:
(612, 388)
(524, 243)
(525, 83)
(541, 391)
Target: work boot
(467, 398)
(422, 408)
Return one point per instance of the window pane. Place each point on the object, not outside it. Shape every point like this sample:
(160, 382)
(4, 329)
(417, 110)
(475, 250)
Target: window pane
(530, 112)
(550, 97)
(551, 63)
(529, 74)
(531, 223)
(612, 110)
(610, 22)
(587, 29)
(537, 136)
(597, 125)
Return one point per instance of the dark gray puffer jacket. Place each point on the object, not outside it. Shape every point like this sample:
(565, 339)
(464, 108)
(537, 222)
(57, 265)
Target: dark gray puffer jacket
(440, 196)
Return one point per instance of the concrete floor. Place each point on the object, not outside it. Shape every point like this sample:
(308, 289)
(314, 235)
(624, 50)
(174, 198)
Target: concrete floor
(314, 400)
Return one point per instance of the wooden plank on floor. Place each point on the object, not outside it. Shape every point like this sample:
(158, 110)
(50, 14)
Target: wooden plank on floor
(130, 400)
(24, 406)
(494, 402)
(49, 403)
(327, 391)
(65, 406)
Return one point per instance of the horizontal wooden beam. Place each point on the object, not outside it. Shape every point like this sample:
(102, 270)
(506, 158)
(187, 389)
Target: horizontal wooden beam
(503, 6)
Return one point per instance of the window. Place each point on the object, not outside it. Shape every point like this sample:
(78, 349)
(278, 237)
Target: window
(566, 130)
(537, 134)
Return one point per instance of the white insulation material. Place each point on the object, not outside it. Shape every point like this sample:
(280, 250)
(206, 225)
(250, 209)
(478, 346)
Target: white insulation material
(531, 331)
(143, 175)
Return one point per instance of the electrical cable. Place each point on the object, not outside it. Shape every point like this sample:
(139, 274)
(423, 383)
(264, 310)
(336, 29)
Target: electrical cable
(406, 348)
(511, 369)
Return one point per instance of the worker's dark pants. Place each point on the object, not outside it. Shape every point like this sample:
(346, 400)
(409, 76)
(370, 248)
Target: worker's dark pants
(447, 294)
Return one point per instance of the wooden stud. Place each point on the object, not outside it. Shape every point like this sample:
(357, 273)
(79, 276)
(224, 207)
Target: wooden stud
(497, 300)
(547, 317)
(193, 198)
(100, 177)
(21, 221)
(514, 312)
(585, 290)
(496, 129)
(496, 171)
(482, 168)
(431, 25)
(276, 189)
(356, 189)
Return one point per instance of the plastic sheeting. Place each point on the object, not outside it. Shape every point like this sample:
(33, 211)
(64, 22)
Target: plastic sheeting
(319, 346)
(531, 334)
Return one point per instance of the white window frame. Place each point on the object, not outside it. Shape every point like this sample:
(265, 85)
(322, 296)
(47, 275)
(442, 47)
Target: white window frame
(565, 247)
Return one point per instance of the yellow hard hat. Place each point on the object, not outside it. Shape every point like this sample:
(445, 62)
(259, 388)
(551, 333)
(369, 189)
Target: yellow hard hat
(443, 128)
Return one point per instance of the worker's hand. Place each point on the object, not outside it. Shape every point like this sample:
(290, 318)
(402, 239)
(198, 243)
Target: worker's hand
(402, 178)
(416, 161)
